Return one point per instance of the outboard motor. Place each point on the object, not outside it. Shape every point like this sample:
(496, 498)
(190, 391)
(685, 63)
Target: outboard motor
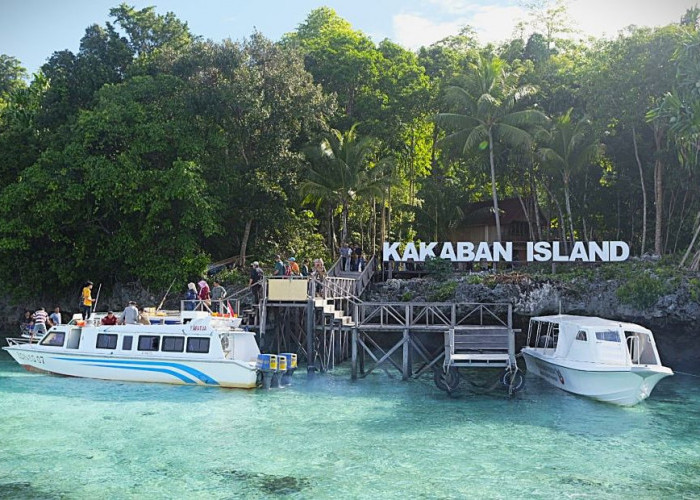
(281, 369)
(291, 359)
(267, 365)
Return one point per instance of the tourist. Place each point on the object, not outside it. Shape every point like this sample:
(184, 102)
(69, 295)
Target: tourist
(319, 274)
(204, 293)
(361, 262)
(190, 296)
(55, 316)
(280, 268)
(358, 253)
(130, 315)
(345, 257)
(26, 323)
(218, 294)
(40, 317)
(255, 282)
(305, 268)
(86, 300)
(110, 319)
(293, 267)
(143, 317)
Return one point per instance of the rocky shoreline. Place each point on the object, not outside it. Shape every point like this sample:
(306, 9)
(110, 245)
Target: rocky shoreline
(674, 316)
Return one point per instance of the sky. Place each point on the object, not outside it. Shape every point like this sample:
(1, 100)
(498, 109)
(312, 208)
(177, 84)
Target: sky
(31, 30)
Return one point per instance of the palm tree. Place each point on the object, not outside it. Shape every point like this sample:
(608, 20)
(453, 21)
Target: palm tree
(340, 172)
(485, 113)
(568, 149)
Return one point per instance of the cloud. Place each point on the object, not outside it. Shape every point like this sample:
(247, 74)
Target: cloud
(599, 17)
(413, 31)
(491, 23)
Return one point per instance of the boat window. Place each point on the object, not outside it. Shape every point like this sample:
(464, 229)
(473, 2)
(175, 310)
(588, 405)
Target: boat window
(55, 339)
(173, 344)
(581, 335)
(106, 341)
(126, 342)
(608, 336)
(148, 342)
(197, 344)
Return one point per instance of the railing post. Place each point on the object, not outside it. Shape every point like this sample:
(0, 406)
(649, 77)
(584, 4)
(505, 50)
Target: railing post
(511, 334)
(354, 353)
(311, 358)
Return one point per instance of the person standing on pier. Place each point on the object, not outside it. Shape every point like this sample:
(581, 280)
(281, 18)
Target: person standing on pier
(86, 300)
(255, 282)
(280, 268)
(345, 257)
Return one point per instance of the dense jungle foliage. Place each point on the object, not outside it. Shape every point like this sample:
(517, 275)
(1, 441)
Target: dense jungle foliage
(150, 152)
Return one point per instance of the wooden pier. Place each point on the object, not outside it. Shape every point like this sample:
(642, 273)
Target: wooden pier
(326, 323)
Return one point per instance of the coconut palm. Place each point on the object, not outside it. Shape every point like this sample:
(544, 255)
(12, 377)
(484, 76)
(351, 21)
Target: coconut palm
(340, 172)
(485, 113)
(568, 148)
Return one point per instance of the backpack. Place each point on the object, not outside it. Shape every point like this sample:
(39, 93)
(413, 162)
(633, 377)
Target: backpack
(259, 273)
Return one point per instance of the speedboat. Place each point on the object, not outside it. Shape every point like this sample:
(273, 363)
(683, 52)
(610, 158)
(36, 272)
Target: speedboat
(202, 349)
(607, 360)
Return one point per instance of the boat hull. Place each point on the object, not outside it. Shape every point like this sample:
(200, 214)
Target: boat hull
(223, 373)
(621, 385)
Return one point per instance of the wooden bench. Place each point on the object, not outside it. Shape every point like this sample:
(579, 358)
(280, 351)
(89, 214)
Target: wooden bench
(478, 346)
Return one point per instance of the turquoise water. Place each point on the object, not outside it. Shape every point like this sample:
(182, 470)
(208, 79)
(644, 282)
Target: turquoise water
(332, 438)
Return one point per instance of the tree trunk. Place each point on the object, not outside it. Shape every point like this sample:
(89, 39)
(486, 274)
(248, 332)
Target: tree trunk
(496, 215)
(567, 199)
(692, 243)
(658, 192)
(644, 191)
(244, 242)
(374, 225)
(344, 231)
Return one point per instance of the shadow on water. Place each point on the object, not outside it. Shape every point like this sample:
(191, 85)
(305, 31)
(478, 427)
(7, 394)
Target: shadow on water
(25, 490)
(268, 484)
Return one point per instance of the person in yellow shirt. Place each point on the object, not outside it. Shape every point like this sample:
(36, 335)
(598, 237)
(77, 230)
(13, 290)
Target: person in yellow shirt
(86, 300)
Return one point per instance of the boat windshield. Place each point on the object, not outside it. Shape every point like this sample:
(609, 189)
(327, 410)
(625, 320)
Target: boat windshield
(608, 336)
(54, 338)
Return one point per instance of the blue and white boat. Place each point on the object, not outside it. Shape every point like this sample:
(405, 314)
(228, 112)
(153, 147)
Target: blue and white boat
(207, 350)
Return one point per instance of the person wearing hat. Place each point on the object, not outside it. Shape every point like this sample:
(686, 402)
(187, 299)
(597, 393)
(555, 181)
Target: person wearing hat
(255, 282)
(131, 315)
(293, 267)
(86, 300)
(110, 319)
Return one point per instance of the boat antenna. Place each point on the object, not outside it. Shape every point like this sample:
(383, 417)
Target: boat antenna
(559, 307)
(166, 294)
(97, 297)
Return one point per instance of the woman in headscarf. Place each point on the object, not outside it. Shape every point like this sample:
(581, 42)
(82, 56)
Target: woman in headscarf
(204, 293)
(190, 296)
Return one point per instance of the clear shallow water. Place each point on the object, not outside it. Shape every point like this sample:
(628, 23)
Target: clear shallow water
(332, 438)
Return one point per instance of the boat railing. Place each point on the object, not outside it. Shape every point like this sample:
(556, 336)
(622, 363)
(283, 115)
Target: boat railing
(548, 340)
(633, 349)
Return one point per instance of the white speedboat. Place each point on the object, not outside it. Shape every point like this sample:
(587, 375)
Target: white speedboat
(607, 360)
(207, 350)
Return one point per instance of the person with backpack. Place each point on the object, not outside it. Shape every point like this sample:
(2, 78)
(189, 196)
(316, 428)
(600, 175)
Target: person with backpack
(218, 294)
(255, 282)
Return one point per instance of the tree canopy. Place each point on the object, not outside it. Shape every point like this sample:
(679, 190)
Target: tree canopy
(151, 152)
